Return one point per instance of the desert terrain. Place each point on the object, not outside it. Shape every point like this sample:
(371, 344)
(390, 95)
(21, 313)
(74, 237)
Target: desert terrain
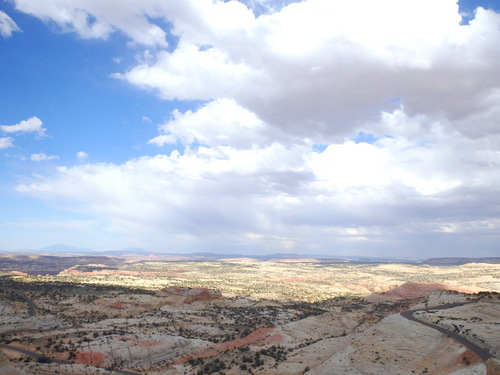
(246, 316)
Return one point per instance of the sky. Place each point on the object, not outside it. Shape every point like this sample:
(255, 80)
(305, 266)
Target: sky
(319, 127)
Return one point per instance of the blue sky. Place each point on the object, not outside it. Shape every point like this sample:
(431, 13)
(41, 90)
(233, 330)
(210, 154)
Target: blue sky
(252, 127)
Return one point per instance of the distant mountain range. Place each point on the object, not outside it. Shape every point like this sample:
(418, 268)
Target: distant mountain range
(458, 261)
(67, 250)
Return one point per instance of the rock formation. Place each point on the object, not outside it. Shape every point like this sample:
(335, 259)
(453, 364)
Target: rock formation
(492, 367)
(178, 295)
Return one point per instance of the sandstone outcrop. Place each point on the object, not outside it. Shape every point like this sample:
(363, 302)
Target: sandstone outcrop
(178, 295)
(413, 290)
(492, 367)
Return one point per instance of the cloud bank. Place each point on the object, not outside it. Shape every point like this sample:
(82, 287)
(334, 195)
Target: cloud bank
(325, 126)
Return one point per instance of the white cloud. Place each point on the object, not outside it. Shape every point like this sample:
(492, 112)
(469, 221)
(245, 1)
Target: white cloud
(211, 73)
(281, 197)
(32, 124)
(280, 84)
(82, 156)
(177, 196)
(316, 67)
(7, 25)
(320, 67)
(91, 19)
(42, 157)
(219, 122)
(6, 142)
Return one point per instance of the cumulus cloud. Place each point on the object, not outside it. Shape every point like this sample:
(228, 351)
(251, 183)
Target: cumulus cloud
(7, 25)
(217, 123)
(277, 197)
(273, 158)
(321, 67)
(312, 67)
(31, 125)
(211, 73)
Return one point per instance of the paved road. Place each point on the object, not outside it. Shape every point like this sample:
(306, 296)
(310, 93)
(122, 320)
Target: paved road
(30, 353)
(44, 359)
(31, 304)
(40, 357)
(484, 354)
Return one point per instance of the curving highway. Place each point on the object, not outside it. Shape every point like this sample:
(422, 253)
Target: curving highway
(31, 304)
(40, 357)
(483, 353)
